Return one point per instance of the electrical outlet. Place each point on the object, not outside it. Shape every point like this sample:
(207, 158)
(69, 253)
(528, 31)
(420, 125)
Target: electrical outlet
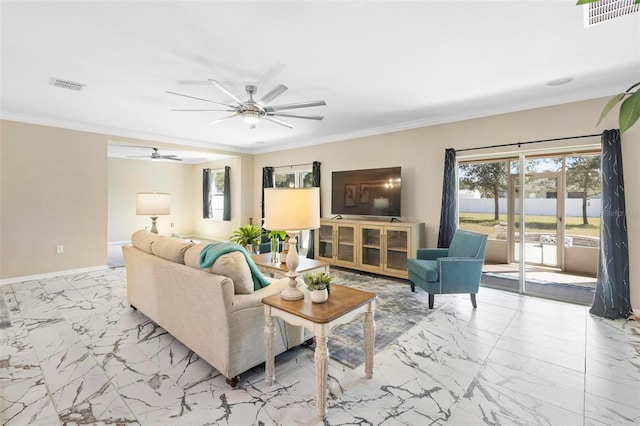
(172, 225)
(59, 249)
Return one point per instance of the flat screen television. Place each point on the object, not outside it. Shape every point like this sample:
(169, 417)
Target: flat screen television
(370, 192)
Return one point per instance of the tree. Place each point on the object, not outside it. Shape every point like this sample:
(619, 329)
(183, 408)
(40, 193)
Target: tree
(487, 178)
(583, 175)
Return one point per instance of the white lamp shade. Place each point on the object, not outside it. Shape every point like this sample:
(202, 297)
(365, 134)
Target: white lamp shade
(291, 209)
(153, 203)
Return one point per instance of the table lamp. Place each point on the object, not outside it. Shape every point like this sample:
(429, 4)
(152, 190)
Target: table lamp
(293, 210)
(153, 204)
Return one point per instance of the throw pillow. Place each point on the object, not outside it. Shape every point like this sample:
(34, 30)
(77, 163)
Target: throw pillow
(232, 265)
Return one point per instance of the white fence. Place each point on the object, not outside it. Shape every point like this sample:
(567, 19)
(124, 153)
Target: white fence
(532, 206)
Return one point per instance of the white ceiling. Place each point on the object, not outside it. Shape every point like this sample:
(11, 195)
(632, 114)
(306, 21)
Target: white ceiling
(379, 65)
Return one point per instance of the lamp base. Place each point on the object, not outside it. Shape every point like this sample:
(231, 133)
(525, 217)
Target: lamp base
(292, 292)
(154, 229)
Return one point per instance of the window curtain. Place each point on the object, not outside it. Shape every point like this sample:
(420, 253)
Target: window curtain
(613, 297)
(207, 208)
(226, 212)
(315, 182)
(267, 182)
(449, 211)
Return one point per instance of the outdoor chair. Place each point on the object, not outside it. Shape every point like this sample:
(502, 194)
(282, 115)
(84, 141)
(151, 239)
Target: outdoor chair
(456, 269)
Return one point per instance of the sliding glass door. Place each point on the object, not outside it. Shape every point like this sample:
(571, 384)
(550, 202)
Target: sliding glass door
(542, 217)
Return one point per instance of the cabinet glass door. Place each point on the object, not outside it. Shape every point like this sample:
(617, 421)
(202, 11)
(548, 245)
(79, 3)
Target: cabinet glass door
(371, 245)
(325, 241)
(396, 248)
(346, 243)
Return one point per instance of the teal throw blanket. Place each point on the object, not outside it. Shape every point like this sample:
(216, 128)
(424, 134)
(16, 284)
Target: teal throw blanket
(212, 251)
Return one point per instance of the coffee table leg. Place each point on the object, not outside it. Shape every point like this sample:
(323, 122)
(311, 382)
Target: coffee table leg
(369, 340)
(321, 358)
(269, 331)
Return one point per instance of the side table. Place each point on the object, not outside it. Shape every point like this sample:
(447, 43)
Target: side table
(344, 304)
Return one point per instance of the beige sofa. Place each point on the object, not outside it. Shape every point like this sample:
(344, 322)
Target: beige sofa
(214, 311)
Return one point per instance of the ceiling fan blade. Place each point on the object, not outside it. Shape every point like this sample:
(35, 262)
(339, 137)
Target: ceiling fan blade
(296, 105)
(170, 157)
(287, 114)
(219, 110)
(193, 82)
(227, 92)
(223, 118)
(272, 94)
(280, 122)
(201, 99)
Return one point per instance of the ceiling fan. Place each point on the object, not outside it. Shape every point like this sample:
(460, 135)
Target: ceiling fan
(155, 156)
(253, 111)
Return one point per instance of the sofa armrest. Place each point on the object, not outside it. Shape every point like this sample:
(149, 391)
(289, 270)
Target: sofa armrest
(431, 253)
(248, 301)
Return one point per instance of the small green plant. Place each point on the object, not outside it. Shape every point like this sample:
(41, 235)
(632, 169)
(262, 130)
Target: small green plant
(246, 234)
(317, 280)
(277, 234)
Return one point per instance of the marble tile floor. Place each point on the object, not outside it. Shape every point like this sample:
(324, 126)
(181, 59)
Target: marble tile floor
(77, 354)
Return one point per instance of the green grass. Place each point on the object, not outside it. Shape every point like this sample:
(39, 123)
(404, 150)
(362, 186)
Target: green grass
(485, 223)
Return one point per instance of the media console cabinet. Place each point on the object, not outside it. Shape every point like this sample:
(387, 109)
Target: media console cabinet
(371, 246)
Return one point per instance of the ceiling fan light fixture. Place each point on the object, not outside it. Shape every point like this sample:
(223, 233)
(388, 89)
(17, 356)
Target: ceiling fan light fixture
(251, 117)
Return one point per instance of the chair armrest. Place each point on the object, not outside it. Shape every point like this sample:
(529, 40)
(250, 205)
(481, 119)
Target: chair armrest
(431, 253)
(460, 274)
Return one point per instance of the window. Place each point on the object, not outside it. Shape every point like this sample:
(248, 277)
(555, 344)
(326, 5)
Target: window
(216, 194)
(293, 179)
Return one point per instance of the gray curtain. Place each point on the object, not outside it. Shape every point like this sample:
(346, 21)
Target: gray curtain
(207, 209)
(226, 212)
(315, 182)
(449, 210)
(267, 182)
(613, 297)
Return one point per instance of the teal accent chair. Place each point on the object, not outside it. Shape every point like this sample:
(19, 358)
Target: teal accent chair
(456, 269)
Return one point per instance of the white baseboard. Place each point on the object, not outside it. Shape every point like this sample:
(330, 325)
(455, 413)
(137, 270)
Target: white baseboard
(52, 275)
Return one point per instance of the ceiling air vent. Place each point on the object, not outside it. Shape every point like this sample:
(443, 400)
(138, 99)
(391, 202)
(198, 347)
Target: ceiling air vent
(67, 84)
(603, 10)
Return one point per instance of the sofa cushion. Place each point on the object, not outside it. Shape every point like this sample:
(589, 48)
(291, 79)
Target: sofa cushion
(232, 265)
(144, 239)
(172, 249)
(192, 256)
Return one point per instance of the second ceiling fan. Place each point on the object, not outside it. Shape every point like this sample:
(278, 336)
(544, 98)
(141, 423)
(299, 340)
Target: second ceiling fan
(252, 111)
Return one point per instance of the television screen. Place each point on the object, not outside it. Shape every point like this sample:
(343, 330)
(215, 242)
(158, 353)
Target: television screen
(371, 192)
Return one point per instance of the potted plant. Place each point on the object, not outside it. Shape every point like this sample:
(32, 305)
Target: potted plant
(248, 236)
(318, 285)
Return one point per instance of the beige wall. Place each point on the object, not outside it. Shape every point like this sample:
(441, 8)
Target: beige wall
(127, 177)
(53, 191)
(420, 152)
(58, 187)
